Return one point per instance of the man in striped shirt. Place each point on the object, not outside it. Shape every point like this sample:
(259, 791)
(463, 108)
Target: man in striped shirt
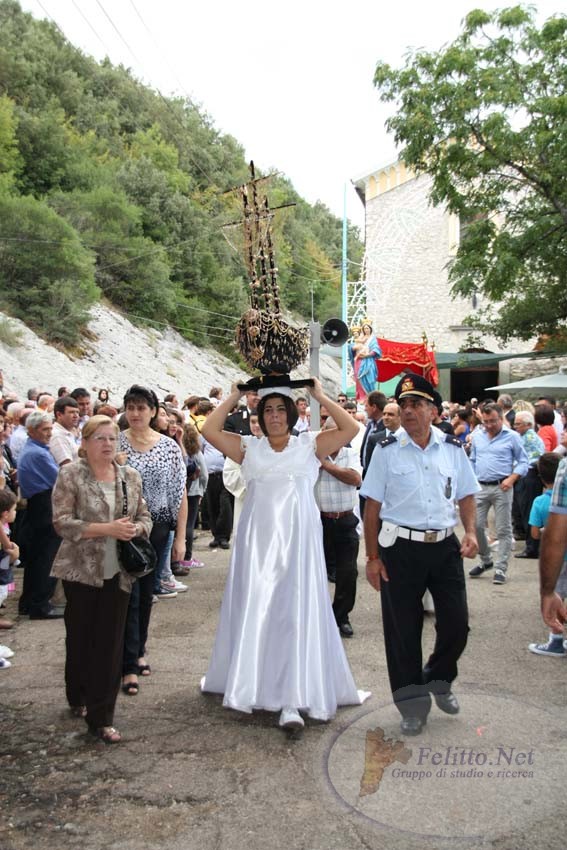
(336, 495)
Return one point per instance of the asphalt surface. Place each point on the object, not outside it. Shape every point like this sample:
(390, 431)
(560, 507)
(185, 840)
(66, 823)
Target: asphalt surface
(191, 774)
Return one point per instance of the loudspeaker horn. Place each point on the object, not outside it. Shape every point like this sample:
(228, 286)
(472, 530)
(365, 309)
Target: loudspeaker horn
(334, 332)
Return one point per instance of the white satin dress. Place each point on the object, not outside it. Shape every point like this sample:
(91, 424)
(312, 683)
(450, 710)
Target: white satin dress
(277, 643)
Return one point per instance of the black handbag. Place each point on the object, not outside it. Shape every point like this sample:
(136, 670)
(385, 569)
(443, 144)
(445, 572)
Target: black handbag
(137, 556)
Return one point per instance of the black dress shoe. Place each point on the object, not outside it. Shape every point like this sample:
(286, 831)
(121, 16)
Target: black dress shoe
(214, 544)
(526, 554)
(224, 544)
(346, 629)
(480, 569)
(412, 725)
(52, 614)
(447, 702)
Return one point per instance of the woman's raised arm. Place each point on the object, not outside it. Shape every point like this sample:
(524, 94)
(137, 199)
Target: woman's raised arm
(212, 430)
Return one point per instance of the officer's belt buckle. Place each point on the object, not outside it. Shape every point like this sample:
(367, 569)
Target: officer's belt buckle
(430, 536)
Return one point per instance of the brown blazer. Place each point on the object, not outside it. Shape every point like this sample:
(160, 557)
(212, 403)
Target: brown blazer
(79, 500)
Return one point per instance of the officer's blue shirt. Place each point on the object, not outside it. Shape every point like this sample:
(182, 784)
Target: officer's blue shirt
(418, 488)
(497, 458)
(37, 470)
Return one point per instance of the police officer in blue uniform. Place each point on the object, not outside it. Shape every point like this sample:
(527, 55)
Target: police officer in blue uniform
(412, 487)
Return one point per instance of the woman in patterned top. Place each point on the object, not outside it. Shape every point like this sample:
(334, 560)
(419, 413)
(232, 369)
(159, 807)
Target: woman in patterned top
(87, 514)
(159, 461)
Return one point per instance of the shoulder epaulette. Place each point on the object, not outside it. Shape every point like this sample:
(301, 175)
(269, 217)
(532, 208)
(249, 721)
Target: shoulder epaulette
(450, 438)
(387, 441)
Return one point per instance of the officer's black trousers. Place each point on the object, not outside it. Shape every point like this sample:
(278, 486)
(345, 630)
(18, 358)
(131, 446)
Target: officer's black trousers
(413, 568)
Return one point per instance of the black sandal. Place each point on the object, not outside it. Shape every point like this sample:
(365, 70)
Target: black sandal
(144, 670)
(78, 710)
(130, 688)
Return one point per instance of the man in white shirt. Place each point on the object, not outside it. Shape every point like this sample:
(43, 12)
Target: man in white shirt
(336, 495)
(63, 443)
(302, 423)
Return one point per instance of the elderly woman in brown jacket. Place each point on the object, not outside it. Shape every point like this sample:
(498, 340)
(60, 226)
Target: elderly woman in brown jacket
(87, 514)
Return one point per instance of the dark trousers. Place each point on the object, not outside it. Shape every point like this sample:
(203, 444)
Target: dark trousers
(140, 606)
(41, 549)
(94, 622)
(341, 542)
(193, 510)
(526, 489)
(412, 569)
(219, 507)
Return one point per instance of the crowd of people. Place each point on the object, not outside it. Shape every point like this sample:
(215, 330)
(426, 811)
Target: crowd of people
(83, 472)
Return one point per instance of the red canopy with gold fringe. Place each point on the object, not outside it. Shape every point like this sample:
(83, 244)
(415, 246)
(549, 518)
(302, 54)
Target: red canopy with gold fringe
(406, 356)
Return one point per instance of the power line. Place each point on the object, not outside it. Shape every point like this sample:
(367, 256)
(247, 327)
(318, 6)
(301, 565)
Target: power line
(202, 310)
(169, 325)
(90, 26)
(164, 100)
(158, 48)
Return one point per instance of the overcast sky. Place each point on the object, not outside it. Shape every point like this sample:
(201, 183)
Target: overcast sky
(291, 81)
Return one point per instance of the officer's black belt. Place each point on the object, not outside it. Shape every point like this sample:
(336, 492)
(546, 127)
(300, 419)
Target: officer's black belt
(493, 483)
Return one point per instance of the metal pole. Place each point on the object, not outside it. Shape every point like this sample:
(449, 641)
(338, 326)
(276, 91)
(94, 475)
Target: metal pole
(344, 291)
(314, 346)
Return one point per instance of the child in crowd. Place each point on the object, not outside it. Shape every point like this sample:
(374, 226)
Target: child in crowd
(9, 554)
(547, 469)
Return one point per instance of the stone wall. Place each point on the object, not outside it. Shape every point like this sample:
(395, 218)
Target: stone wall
(521, 369)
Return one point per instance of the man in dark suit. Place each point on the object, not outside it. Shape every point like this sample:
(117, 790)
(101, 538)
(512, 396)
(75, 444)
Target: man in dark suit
(391, 420)
(374, 406)
(239, 422)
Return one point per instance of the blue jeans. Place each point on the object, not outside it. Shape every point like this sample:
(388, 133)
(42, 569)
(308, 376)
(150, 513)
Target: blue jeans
(163, 570)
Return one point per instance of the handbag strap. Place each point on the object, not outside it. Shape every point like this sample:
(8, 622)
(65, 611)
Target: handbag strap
(124, 498)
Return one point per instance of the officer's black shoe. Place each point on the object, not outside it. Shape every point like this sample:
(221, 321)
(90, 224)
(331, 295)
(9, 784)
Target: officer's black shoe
(412, 725)
(346, 629)
(526, 554)
(480, 569)
(447, 702)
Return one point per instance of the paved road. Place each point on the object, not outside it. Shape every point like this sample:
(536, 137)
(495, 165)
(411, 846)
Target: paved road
(190, 774)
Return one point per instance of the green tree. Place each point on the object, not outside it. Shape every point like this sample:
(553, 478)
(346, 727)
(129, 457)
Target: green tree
(46, 275)
(486, 118)
(10, 160)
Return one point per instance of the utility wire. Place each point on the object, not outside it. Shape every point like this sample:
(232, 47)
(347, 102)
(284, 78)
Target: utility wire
(202, 310)
(161, 53)
(168, 325)
(164, 100)
(90, 26)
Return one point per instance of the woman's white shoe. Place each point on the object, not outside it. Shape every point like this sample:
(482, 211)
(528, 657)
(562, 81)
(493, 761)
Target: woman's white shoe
(290, 718)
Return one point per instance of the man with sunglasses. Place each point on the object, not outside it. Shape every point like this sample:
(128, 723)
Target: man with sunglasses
(413, 485)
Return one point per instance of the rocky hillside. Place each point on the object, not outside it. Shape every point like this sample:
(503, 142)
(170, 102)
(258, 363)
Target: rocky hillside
(119, 354)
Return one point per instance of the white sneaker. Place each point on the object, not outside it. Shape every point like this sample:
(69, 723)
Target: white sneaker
(4, 663)
(178, 585)
(165, 591)
(290, 718)
(6, 652)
